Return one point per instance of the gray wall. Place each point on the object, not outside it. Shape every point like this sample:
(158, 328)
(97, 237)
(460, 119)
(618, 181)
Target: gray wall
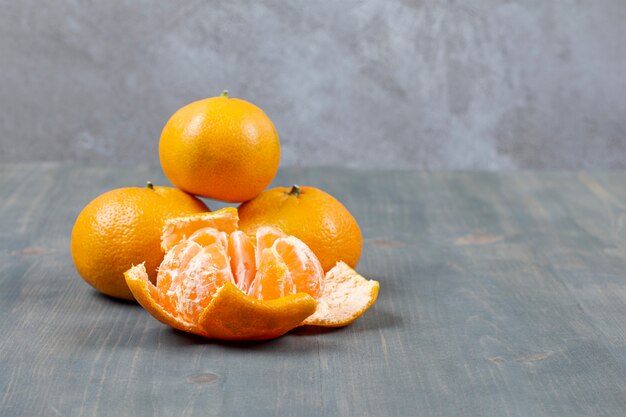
(415, 84)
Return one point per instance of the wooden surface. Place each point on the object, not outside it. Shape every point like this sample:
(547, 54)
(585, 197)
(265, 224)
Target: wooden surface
(501, 295)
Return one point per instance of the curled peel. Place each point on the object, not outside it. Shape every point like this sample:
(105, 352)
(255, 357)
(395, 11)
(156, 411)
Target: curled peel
(231, 315)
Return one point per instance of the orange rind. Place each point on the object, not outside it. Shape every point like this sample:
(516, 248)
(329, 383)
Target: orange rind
(231, 315)
(218, 283)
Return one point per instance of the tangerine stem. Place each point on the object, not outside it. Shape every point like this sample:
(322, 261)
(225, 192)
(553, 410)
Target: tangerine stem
(149, 185)
(295, 190)
(224, 94)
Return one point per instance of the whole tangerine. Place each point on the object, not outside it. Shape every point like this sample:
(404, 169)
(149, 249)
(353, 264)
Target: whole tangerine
(221, 148)
(122, 228)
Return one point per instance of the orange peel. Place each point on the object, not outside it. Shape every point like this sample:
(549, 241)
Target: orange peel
(201, 288)
(231, 315)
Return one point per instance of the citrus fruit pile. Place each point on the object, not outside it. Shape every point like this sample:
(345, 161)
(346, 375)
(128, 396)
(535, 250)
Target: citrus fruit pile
(284, 258)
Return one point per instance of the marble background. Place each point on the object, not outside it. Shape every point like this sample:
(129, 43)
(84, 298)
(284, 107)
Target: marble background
(481, 84)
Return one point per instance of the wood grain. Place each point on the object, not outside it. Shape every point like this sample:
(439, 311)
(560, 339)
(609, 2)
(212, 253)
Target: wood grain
(501, 295)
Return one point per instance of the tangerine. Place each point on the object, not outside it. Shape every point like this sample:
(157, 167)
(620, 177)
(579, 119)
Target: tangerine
(220, 147)
(122, 227)
(218, 282)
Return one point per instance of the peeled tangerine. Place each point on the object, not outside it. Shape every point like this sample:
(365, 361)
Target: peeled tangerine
(217, 282)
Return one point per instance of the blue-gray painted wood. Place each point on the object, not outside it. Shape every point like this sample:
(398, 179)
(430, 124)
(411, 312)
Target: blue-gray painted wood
(501, 295)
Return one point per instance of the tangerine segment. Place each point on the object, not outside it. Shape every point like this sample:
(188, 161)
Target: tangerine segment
(190, 275)
(305, 269)
(346, 296)
(175, 230)
(287, 267)
(272, 279)
(209, 235)
(147, 296)
(265, 238)
(242, 259)
(232, 315)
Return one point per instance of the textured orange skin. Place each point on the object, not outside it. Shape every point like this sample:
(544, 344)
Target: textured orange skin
(123, 227)
(232, 315)
(315, 217)
(222, 148)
